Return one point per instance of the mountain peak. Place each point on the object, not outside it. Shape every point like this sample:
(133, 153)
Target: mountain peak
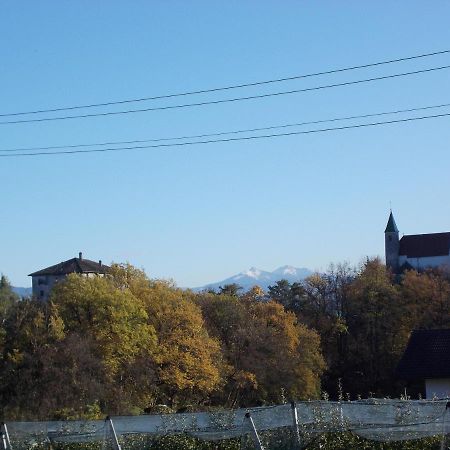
(252, 272)
(288, 270)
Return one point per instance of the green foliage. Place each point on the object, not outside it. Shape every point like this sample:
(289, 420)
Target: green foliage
(7, 297)
(349, 441)
(275, 440)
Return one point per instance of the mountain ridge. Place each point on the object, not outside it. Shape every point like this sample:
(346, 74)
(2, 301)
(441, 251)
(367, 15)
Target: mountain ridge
(262, 278)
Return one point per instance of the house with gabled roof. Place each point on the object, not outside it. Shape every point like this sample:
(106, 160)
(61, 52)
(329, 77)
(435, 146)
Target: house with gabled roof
(416, 251)
(43, 280)
(427, 360)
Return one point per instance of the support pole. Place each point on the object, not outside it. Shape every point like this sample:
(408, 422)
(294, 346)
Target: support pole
(256, 439)
(115, 441)
(298, 439)
(6, 443)
(446, 417)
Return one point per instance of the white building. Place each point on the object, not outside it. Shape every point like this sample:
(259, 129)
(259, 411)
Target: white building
(416, 251)
(44, 280)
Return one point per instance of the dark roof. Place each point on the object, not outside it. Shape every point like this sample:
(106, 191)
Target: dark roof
(427, 355)
(422, 245)
(391, 226)
(74, 265)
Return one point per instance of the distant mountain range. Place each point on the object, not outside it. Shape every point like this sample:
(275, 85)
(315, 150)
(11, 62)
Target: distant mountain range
(261, 278)
(22, 292)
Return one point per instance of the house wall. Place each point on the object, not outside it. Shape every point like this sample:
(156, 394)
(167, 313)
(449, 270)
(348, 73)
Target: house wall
(437, 387)
(43, 284)
(423, 263)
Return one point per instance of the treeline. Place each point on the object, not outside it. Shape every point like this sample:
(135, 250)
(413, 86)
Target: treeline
(126, 344)
(364, 318)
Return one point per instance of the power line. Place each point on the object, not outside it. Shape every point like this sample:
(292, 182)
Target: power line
(244, 138)
(224, 88)
(222, 133)
(229, 100)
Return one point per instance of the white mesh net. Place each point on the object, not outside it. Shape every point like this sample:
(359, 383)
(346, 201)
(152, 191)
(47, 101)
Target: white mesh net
(373, 419)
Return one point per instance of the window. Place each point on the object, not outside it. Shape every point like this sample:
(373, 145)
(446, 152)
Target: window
(41, 293)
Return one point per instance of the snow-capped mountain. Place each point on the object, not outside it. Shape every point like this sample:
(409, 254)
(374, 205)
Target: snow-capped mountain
(261, 278)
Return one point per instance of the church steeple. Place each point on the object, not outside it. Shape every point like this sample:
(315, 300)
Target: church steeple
(392, 244)
(391, 226)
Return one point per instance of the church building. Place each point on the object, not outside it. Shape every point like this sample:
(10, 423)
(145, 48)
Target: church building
(415, 251)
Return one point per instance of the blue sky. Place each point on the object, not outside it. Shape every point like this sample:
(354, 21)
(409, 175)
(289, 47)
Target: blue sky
(201, 213)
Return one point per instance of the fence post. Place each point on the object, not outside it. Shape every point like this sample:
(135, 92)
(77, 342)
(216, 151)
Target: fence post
(115, 441)
(295, 424)
(444, 427)
(6, 443)
(256, 439)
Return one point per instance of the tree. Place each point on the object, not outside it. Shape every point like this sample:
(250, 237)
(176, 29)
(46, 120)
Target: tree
(33, 329)
(186, 359)
(114, 318)
(426, 296)
(7, 297)
(230, 289)
(267, 354)
(374, 319)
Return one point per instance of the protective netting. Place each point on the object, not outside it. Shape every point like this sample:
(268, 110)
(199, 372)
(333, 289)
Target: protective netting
(373, 419)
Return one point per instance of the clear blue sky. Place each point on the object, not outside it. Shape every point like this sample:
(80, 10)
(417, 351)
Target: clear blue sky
(199, 214)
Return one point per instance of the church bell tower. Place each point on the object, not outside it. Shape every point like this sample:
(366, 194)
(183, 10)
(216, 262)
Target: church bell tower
(391, 244)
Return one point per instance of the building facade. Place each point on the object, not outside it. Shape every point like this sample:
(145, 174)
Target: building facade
(43, 280)
(415, 251)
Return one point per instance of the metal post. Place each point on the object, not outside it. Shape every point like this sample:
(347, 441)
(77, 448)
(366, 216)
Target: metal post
(256, 439)
(115, 441)
(295, 425)
(6, 443)
(444, 427)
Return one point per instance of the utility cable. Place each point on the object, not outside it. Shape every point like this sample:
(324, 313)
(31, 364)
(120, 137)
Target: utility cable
(228, 100)
(243, 138)
(230, 87)
(223, 133)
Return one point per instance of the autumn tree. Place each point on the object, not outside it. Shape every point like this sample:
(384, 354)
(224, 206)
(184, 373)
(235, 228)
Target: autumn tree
(32, 329)
(186, 358)
(375, 335)
(268, 356)
(426, 298)
(115, 319)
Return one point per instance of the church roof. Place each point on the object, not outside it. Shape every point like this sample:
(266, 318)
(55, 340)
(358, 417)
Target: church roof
(423, 245)
(74, 265)
(427, 355)
(391, 226)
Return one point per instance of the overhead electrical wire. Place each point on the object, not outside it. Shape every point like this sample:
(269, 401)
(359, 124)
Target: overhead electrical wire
(243, 138)
(222, 133)
(225, 88)
(228, 100)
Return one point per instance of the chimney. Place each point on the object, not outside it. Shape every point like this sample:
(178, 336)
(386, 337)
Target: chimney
(80, 256)
(100, 263)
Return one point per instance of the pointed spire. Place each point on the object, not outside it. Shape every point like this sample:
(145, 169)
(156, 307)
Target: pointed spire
(391, 226)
